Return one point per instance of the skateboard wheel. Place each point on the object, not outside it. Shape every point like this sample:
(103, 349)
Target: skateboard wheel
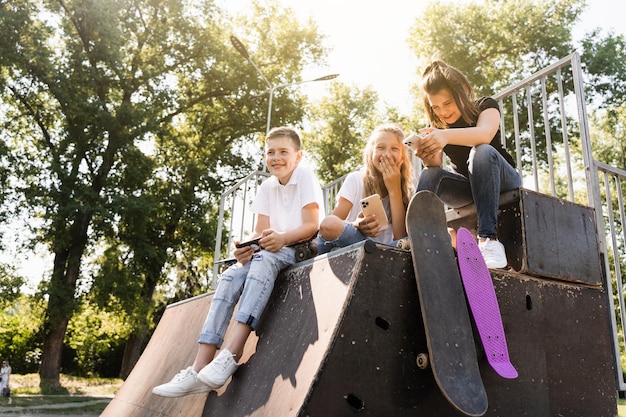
(422, 361)
(369, 246)
(404, 244)
(303, 254)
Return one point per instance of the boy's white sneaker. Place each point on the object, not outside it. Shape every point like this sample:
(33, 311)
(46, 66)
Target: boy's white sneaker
(219, 370)
(493, 252)
(184, 383)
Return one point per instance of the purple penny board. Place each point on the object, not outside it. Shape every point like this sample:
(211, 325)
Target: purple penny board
(450, 340)
(483, 303)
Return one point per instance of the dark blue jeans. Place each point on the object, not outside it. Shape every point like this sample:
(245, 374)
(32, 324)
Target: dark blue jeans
(489, 175)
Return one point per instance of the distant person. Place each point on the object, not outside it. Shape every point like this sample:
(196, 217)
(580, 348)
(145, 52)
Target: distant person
(387, 171)
(468, 132)
(5, 373)
(289, 205)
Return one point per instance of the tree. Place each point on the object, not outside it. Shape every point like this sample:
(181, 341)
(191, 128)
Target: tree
(603, 60)
(341, 124)
(95, 92)
(495, 42)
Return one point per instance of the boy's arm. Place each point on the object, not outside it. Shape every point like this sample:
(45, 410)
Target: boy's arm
(274, 241)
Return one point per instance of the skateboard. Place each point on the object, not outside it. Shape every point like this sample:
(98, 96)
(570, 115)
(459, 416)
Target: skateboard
(483, 303)
(451, 350)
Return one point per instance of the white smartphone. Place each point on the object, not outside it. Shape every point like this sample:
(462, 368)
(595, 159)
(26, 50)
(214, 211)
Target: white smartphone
(412, 139)
(374, 205)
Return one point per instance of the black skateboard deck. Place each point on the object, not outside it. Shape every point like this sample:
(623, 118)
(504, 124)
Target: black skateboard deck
(451, 350)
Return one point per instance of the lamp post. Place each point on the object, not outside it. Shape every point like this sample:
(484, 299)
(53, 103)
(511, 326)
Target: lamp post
(271, 88)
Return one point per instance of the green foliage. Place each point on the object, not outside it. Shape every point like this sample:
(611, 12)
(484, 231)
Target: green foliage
(494, 42)
(92, 333)
(20, 332)
(343, 121)
(608, 131)
(10, 284)
(604, 59)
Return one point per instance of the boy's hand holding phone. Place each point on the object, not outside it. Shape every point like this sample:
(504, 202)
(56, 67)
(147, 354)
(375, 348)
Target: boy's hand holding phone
(244, 250)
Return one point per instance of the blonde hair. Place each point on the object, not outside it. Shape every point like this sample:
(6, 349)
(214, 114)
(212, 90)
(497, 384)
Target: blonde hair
(438, 76)
(373, 179)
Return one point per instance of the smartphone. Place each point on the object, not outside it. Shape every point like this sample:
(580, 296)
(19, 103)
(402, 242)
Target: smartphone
(412, 139)
(256, 246)
(374, 205)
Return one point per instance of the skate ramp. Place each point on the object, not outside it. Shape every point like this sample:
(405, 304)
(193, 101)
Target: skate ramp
(171, 348)
(341, 335)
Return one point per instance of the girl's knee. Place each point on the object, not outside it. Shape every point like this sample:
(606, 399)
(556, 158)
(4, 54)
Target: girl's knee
(429, 178)
(483, 152)
(331, 228)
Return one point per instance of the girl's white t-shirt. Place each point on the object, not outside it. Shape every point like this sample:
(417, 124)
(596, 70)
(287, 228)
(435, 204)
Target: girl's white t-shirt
(353, 190)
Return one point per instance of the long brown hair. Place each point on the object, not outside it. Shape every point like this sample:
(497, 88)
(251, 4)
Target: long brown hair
(373, 179)
(438, 76)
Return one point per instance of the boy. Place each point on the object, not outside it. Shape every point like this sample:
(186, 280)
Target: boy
(289, 206)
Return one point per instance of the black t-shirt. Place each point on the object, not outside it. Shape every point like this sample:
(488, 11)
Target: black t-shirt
(459, 154)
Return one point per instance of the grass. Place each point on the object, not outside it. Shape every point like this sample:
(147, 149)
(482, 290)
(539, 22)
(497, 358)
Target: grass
(87, 395)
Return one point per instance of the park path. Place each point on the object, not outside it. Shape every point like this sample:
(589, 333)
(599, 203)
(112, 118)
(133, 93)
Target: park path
(39, 410)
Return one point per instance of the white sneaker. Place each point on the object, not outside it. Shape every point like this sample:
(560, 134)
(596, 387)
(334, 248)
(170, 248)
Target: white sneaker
(184, 383)
(493, 252)
(219, 370)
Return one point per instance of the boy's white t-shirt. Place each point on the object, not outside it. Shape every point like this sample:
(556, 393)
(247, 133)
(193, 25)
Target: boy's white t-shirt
(283, 203)
(353, 190)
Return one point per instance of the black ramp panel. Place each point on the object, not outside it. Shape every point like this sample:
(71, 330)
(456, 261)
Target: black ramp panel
(295, 335)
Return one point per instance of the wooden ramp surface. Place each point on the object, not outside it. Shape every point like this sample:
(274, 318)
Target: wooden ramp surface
(171, 348)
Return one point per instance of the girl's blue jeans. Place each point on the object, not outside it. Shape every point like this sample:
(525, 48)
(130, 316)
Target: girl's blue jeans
(251, 285)
(349, 236)
(489, 175)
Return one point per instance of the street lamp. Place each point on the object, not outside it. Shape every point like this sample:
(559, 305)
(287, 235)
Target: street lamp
(271, 88)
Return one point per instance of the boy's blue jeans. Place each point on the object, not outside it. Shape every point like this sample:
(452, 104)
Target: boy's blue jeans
(489, 175)
(251, 285)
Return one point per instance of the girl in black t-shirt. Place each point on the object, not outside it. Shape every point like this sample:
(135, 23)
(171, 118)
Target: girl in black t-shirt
(468, 132)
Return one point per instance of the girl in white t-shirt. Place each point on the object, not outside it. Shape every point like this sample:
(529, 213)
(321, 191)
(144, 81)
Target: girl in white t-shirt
(387, 172)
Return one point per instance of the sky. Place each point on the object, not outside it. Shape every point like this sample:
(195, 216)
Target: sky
(369, 49)
(368, 41)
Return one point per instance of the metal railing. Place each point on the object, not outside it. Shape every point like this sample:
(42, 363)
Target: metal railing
(545, 127)
(234, 209)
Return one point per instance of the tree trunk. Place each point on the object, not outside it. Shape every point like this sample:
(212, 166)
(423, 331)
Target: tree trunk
(61, 301)
(132, 352)
(51, 356)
